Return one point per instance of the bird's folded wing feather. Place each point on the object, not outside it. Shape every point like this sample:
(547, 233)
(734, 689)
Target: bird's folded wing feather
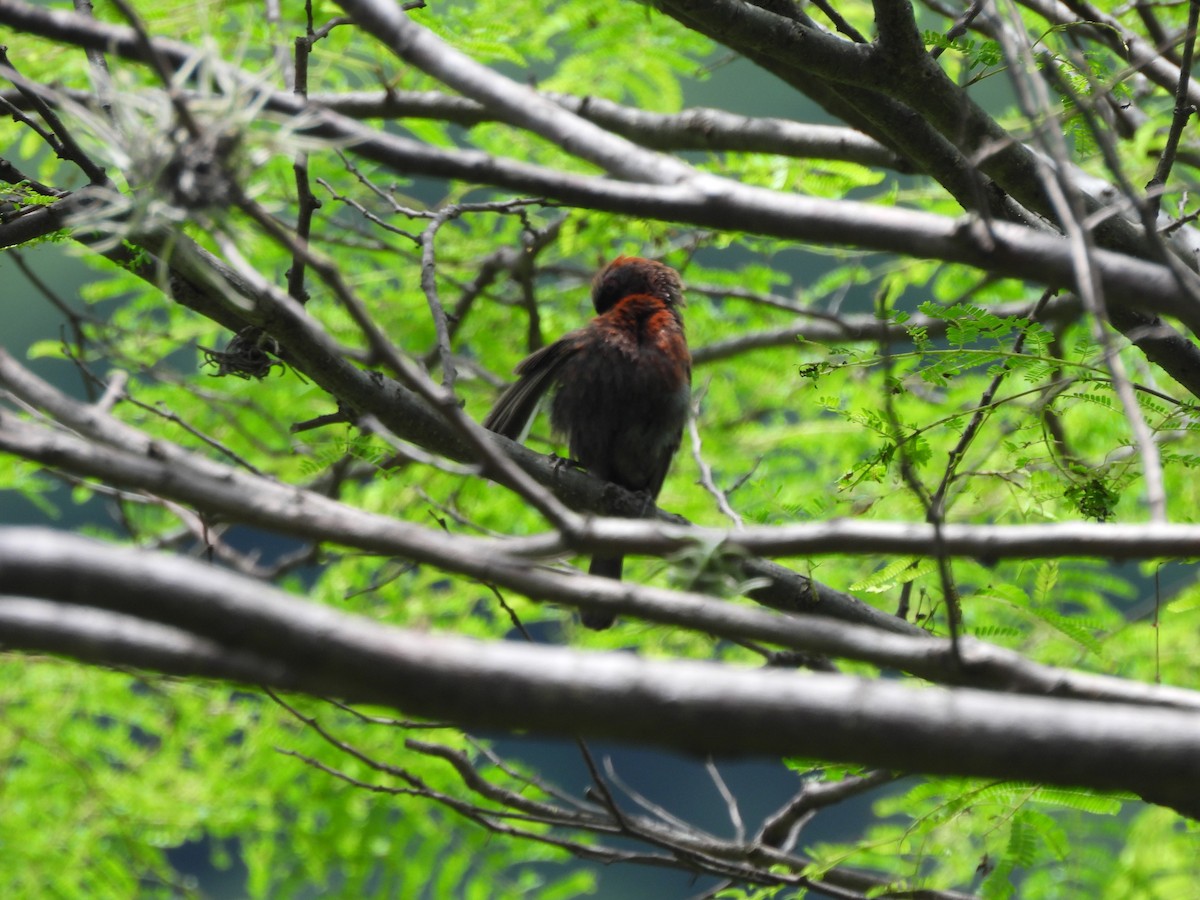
(536, 374)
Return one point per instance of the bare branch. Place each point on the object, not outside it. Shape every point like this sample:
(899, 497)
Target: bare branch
(696, 707)
(133, 460)
(513, 103)
(1008, 249)
(1184, 110)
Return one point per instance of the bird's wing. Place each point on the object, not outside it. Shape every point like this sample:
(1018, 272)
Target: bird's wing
(537, 372)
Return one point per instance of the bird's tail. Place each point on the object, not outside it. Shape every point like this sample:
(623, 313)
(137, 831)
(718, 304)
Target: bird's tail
(605, 567)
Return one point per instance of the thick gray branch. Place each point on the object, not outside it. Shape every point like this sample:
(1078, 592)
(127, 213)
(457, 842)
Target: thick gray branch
(122, 456)
(107, 638)
(164, 470)
(987, 543)
(695, 128)
(688, 706)
(709, 201)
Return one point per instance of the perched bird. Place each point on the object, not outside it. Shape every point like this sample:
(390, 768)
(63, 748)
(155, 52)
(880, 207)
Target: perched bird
(622, 385)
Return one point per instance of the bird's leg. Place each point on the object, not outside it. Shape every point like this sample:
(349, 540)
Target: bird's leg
(558, 462)
(648, 504)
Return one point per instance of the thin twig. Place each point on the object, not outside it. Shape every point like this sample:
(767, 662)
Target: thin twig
(960, 26)
(731, 804)
(1035, 103)
(1184, 110)
(59, 137)
(956, 454)
(933, 514)
(706, 473)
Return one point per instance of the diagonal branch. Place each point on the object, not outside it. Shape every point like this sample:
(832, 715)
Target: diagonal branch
(1005, 249)
(514, 103)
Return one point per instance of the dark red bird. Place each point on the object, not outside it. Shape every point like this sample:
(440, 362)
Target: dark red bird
(622, 385)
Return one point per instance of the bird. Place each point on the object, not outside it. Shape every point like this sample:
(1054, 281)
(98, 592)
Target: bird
(621, 387)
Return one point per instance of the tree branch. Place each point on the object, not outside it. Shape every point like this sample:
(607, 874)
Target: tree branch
(688, 706)
(1008, 250)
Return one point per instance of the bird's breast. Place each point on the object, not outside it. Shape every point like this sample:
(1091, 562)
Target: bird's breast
(643, 338)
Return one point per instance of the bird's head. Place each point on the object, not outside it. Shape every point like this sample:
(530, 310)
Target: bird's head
(628, 275)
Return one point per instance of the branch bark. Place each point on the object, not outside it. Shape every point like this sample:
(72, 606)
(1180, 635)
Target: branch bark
(688, 706)
(705, 200)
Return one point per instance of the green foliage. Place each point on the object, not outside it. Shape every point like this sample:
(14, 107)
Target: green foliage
(767, 893)
(105, 771)
(984, 833)
(21, 196)
(1094, 498)
(975, 54)
(897, 572)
